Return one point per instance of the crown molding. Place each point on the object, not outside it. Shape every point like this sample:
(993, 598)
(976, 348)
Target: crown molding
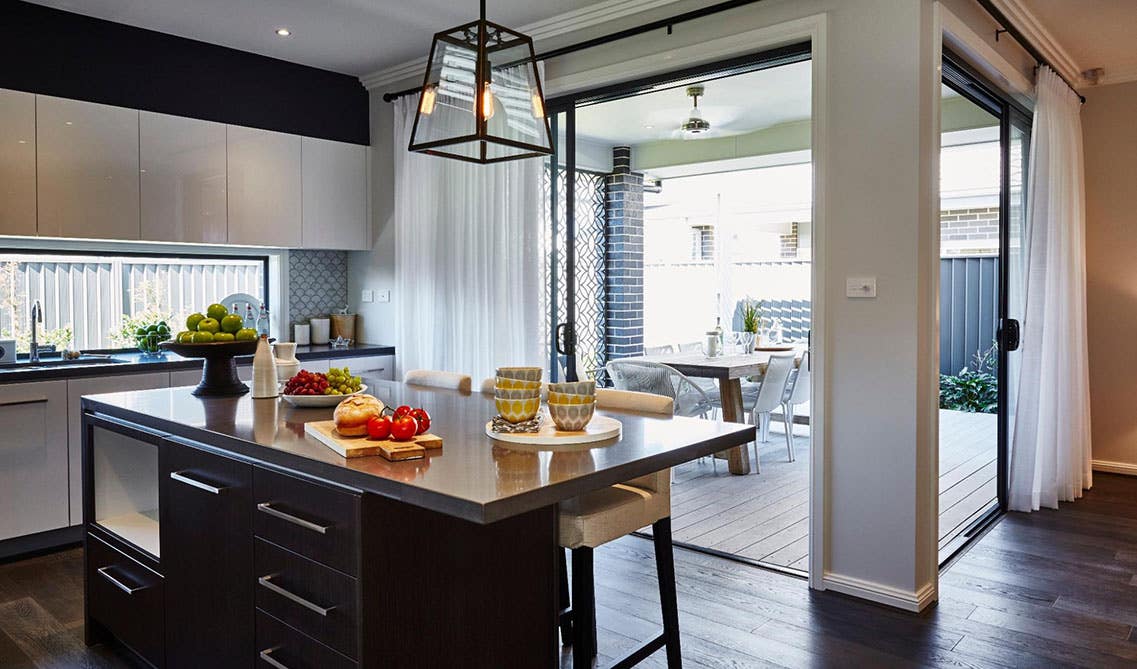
(1118, 76)
(1031, 28)
(561, 24)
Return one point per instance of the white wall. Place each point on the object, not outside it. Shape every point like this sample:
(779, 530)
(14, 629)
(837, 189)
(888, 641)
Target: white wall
(877, 198)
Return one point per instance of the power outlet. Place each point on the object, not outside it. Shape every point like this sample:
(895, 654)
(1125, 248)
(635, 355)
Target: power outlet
(383, 296)
(367, 296)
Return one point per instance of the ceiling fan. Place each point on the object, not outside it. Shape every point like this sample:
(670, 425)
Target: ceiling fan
(695, 126)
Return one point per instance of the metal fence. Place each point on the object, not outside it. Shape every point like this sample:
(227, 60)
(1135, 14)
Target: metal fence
(969, 309)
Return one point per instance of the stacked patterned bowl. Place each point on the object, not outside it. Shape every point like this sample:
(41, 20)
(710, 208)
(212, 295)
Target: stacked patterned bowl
(571, 404)
(517, 393)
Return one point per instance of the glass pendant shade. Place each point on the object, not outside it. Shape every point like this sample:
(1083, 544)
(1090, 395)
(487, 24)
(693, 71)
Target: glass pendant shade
(481, 99)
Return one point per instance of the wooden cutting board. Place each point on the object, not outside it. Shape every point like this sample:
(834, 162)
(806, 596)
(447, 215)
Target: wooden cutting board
(324, 431)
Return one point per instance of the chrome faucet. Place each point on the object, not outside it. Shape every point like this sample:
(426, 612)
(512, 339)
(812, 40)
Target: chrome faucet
(37, 317)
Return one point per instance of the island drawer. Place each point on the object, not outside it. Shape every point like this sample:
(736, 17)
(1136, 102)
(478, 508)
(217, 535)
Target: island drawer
(278, 645)
(316, 521)
(320, 602)
(127, 599)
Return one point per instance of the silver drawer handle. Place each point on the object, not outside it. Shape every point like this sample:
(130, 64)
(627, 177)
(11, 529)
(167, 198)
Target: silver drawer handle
(105, 573)
(266, 581)
(267, 507)
(182, 478)
(266, 655)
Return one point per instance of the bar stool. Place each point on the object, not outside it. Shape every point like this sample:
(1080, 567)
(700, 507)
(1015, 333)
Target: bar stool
(435, 379)
(596, 518)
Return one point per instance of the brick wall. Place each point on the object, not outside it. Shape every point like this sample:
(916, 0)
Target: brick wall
(624, 206)
(969, 231)
(789, 242)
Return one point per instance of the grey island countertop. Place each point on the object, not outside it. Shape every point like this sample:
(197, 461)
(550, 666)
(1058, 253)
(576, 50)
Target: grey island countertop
(472, 477)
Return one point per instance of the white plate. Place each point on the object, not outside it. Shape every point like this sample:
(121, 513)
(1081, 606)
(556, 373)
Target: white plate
(600, 428)
(321, 400)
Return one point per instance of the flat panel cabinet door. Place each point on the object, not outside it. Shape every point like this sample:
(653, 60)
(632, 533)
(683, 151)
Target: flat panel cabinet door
(335, 195)
(76, 389)
(17, 163)
(207, 554)
(33, 458)
(264, 188)
(182, 164)
(86, 170)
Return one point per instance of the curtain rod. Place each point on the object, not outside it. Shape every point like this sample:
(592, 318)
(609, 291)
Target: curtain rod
(1026, 44)
(616, 36)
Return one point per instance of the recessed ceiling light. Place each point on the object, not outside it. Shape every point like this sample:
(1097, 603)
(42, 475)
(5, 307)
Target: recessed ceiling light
(283, 32)
(648, 126)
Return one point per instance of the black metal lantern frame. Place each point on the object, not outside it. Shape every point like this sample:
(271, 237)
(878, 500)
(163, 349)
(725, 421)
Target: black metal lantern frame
(481, 100)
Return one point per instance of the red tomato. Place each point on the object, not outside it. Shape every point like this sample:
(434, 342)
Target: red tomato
(402, 411)
(404, 428)
(423, 419)
(379, 428)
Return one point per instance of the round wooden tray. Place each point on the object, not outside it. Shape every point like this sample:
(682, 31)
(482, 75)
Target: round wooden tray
(600, 428)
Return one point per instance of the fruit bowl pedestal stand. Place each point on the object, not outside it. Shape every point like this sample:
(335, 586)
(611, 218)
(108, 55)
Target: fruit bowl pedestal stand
(219, 373)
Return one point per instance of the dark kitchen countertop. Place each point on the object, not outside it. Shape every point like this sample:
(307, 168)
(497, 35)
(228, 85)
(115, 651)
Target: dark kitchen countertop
(136, 363)
(472, 476)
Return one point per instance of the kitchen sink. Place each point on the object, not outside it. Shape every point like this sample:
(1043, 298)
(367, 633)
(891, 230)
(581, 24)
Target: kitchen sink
(81, 361)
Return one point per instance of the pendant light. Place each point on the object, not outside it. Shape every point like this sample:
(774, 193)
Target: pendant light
(481, 99)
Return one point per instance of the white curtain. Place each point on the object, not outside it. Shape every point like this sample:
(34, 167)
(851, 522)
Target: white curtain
(1050, 457)
(468, 269)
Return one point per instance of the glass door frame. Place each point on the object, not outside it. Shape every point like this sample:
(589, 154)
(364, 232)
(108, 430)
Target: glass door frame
(958, 75)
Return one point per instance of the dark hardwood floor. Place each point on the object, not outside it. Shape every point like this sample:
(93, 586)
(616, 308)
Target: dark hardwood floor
(1049, 589)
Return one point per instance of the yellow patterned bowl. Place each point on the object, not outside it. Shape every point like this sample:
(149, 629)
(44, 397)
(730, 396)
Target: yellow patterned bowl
(516, 411)
(517, 384)
(571, 417)
(515, 394)
(520, 373)
(569, 398)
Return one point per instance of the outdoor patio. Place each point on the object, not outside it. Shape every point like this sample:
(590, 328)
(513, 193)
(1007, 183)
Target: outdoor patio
(765, 517)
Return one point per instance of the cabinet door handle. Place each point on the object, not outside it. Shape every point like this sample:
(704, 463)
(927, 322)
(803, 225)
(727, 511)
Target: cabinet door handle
(181, 477)
(271, 661)
(266, 507)
(105, 573)
(34, 400)
(266, 582)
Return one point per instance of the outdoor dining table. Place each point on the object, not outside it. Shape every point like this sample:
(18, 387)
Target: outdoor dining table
(728, 370)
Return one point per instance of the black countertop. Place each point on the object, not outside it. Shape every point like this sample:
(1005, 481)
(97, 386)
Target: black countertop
(472, 476)
(135, 362)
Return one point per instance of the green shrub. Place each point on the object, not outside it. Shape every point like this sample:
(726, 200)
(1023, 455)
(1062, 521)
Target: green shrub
(975, 388)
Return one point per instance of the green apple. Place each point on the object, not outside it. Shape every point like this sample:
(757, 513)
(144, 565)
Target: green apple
(246, 334)
(231, 323)
(223, 336)
(185, 337)
(209, 325)
(193, 320)
(216, 311)
(202, 337)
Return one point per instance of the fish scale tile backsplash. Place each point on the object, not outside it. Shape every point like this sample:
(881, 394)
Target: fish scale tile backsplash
(317, 282)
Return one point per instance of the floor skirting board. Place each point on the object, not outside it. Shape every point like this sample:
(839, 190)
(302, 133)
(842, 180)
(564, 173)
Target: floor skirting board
(1115, 467)
(880, 593)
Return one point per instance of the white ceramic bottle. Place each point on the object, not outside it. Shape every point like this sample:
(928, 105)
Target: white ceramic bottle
(264, 372)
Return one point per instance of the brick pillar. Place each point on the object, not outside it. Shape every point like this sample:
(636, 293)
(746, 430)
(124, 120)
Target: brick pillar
(789, 243)
(624, 209)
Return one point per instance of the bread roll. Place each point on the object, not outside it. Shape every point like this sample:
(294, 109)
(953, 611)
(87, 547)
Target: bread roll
(352, 414)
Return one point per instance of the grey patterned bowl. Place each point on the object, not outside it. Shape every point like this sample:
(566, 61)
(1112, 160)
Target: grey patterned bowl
(574, 387)
(522, 373)
(571, 417)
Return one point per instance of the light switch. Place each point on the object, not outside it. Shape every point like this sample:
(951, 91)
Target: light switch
(383, 296)
(860, 286)
(367, 296)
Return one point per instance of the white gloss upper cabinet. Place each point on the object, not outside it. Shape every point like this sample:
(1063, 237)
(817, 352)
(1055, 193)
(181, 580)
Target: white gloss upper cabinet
(86, 169)
(264, 188)
(182, 164)
(17, 163)
(335, 195)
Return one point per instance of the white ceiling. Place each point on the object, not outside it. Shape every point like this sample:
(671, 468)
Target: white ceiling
(1082, 34)
(733, 105)
(350, 36)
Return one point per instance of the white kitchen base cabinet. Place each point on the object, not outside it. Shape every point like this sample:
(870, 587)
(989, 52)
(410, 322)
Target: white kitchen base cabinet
(33, 458)
(76, 389)
(17, 163)
(86, 170)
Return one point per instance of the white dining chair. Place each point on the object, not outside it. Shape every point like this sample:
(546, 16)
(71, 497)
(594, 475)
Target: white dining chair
(660, 379)
(770, 396)
(599, 517)
(666, 349)
(797, 392)
(435, 379)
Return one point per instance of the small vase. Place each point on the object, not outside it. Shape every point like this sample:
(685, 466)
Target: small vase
(264, 371)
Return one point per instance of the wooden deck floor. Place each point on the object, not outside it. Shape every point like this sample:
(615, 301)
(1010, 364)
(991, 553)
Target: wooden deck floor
(765, 517)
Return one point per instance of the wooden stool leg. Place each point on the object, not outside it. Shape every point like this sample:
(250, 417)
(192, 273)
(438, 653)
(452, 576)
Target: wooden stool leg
(566, 603)
(665, 569)
(583, 609)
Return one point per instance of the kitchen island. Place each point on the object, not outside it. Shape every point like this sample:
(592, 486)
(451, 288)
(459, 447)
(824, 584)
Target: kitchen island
(219, 535)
